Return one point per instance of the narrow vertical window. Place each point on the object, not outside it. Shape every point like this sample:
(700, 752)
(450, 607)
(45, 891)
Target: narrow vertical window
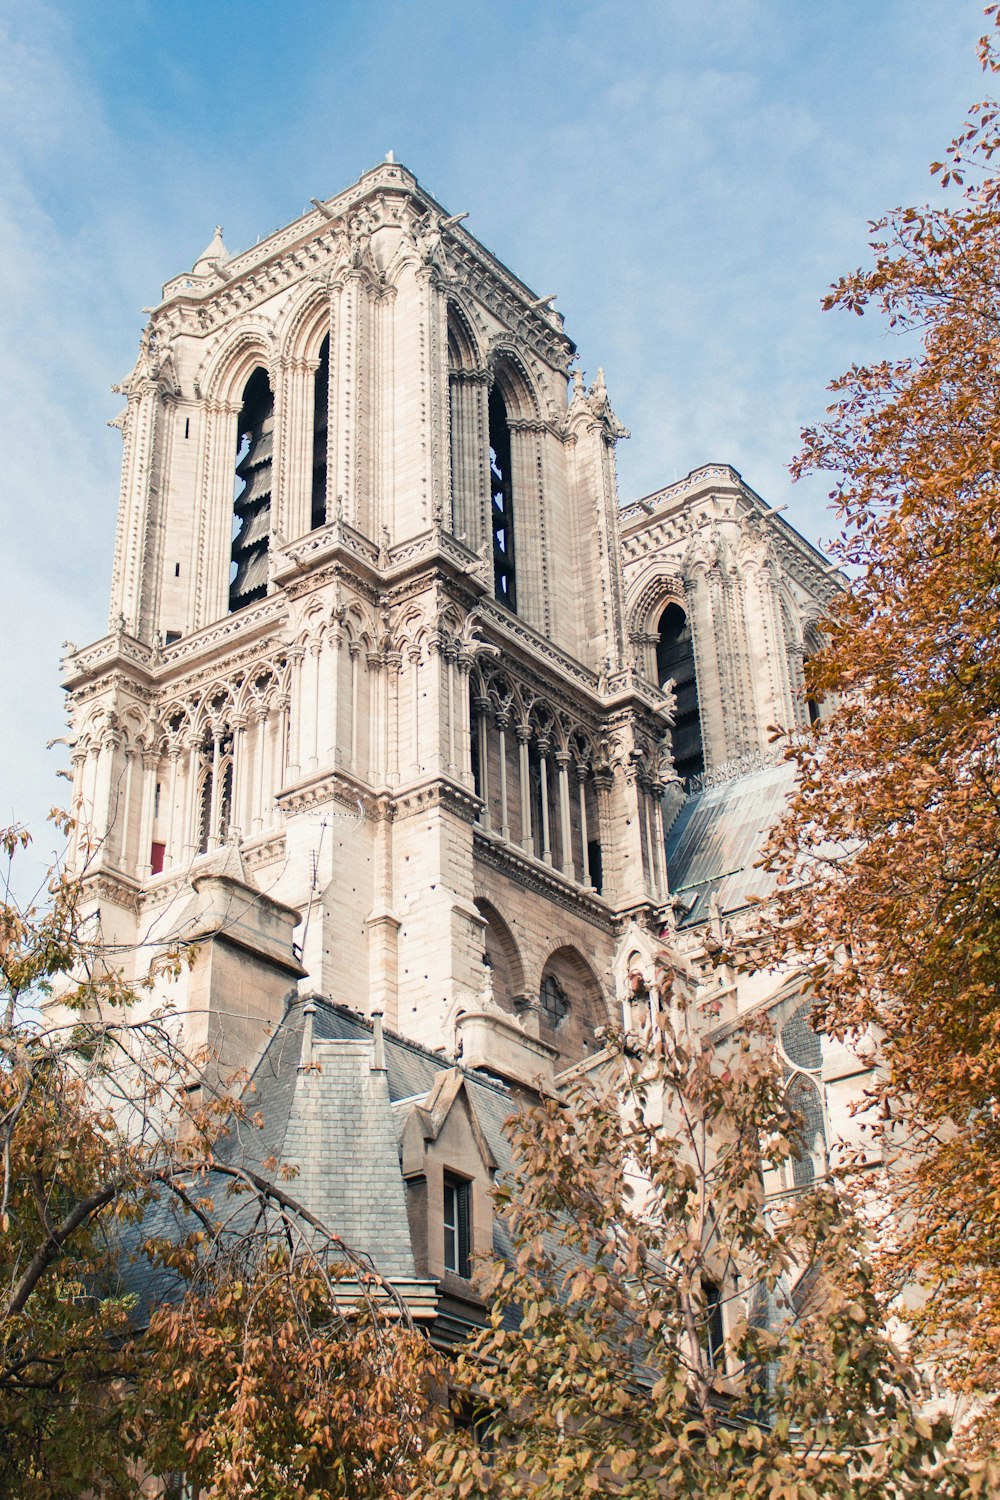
(321, 418)
(457, 1225)
(205, 811)
(714, 1337)
(675, 662)
(502, 502)
(252, 506)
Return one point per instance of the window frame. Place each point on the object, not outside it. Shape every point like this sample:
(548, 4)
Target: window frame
(456, 1220)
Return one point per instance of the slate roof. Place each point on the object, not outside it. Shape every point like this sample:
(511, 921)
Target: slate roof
(350, 1174)
(716, 837)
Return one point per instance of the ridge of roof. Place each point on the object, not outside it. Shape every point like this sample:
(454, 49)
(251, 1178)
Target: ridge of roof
(440, 1059)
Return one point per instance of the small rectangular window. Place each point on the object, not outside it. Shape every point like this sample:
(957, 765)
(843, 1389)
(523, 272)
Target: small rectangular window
(187, 427)
(457, 1225)
(171, 636)
(177, 570)
(715, 1333)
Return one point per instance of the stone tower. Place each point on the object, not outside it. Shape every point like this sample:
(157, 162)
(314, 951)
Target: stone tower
(368, 719)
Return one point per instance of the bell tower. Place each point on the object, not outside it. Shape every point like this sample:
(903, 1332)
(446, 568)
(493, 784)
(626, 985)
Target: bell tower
(367, 640)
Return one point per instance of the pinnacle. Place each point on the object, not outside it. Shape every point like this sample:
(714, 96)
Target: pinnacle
(214, 254)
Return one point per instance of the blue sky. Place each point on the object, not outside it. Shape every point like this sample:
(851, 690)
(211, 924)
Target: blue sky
(687, 175)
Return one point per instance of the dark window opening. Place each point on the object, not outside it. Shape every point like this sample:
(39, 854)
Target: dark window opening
(457, 1225)
(555, 1006)
(225, 808)
(187, 427)
(321, 418)
(715, 1333)
(177, 570)
(675, 660)
(474, 745)
(171, 636)
(501, 503)
(252, 506)
(595, 860)
(812, 704)
(205, 812)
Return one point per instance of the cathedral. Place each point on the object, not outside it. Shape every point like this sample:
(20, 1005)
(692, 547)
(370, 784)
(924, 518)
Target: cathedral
(419, 738)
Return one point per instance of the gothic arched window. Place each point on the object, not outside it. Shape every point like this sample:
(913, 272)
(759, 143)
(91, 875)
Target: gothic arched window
(501, 502)
(675, 661)
(321, 418)
(252, 505)
(554, 1003)
(213, 831)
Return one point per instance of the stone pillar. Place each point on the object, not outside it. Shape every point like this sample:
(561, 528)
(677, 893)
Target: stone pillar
(354, 648)
(482, 707)
(465, 661)
(213, 814)
(543, 770)
(240, 822)
(312, 732)
(524, 767)
(581, 776)
(376, 724)
(261, 718)
(191, 798)
(502, 722)
(565, 827)
(173, 854)
(149, 761)
(336, 637)
(126, 816)
(295, 757)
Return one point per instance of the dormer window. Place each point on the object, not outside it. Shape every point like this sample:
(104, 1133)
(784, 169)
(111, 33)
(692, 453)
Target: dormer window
(457, 1225)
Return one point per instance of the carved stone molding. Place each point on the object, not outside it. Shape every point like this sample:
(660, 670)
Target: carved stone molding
(543, 879)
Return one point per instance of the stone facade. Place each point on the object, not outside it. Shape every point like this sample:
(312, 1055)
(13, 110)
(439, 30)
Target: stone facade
(407, 723)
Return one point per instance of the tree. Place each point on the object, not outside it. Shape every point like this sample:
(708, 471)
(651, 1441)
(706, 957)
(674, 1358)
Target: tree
(887, 864)
(165, 1309)
(658, 1331)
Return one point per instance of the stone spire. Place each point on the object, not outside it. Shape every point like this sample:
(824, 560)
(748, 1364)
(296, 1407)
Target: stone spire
(214, 255)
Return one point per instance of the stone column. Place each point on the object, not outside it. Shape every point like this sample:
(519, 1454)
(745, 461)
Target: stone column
(238, 823)
(295, 758)
(191, 798)
(543, 769)
(373, 660)
(172, 853)
(355, 651)
(565, 827)
(261, 718)
(104, 776)
(413, 657)
(283, 704)
(312, 737)
(149, 761)
(523, 732)
(502, 722)
(482, 707)
(581, 776)
(126, 818)
(336, 636)
(213, 812)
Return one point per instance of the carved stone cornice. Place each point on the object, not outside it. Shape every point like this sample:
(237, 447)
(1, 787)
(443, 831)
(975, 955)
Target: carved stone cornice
(336, 785)
(438, 791)
(544, 880)
(113, 886)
